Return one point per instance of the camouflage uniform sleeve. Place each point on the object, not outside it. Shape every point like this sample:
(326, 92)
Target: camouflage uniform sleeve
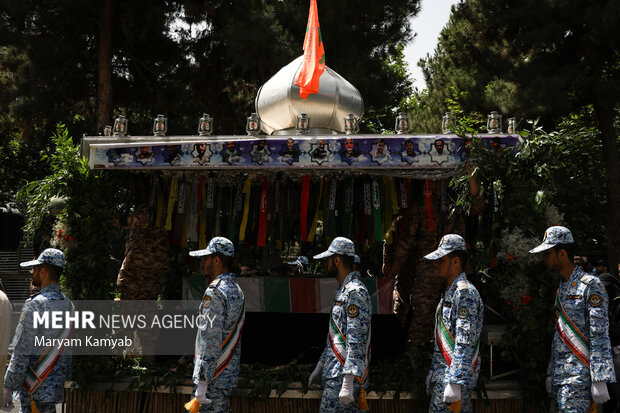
(465, 337)
(601, 362)
(210, 336)
(358, 332)
(23, 341)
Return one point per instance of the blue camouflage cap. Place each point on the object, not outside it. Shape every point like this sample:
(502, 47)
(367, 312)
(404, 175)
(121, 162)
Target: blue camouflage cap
(217, 245)
(554, 236)
(339, 246)
(300, 260)
(449, 243)
(50, 256)
(356, 259)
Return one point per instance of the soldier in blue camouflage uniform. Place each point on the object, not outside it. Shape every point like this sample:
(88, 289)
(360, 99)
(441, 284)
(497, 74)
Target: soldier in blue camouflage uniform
(46, 271)
(455, 365)
(343, 366)
(581, 360)
(218, 346)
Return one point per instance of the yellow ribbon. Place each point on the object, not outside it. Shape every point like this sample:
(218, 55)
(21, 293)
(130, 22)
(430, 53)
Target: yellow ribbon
(172, 197)
(247, 189)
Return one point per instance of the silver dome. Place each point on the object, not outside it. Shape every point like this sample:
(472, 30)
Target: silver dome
(278, 102)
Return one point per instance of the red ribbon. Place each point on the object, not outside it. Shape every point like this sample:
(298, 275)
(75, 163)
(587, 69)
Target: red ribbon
(262, 215)
(305, 197)
(428, 204)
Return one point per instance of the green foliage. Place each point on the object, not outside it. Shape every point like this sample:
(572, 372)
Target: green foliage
(90, 215)
(525, 190)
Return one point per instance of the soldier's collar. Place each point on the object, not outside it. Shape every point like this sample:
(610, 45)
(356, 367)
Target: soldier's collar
(51, 287)
(460, 277)
(575, 275)
(349, 277)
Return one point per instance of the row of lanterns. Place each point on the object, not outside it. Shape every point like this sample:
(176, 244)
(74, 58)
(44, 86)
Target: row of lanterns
(494, 123)
(302, 126)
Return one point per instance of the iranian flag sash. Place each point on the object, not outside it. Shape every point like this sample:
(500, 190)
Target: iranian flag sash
(228, 346)
(446, 343)
(46, 363)
(570, 334)
(338, 343)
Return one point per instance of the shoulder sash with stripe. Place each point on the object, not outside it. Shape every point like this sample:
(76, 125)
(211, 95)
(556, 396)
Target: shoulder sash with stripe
(445, 341)
(35, 375)
(229, 345)
(570, 334)
(338, 344)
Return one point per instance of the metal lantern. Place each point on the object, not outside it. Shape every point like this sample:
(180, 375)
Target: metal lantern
(120, 126)
(512, 125)
(107, 131)
(402, 123)
(446, 123)
(303, 124)
(351, 124)
(205, 125)
(252, 126)
(494, 123)
(160, 125)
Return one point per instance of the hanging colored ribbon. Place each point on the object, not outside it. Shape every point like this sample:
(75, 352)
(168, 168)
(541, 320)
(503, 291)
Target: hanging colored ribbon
(247, 190)
(376, 210)
(366, 234)
(218, 212)
(332, 212)
(347, 219)
(202, 226)
(428, 204)
(192, 226)
(403, 194)
(305, 196)
(275, 216)
(388, 188)
(187, 216)
(315, 221)
(180, 224)
(237, 207)
(210, 200)
(262, 215)
(172, 198)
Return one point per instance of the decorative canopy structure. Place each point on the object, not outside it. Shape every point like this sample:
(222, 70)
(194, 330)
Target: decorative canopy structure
(278, 102)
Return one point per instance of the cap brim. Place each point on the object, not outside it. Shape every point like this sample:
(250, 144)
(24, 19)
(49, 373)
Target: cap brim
(437, 254)
(324, 254)
(542, 247)
(292, 263)
(30, 263)
(200, 253)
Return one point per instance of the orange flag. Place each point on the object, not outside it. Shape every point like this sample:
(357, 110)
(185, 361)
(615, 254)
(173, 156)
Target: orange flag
(313, 63)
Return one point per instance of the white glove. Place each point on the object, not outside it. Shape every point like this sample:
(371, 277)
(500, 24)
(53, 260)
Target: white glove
(201, 393)
(599, 392)
(549, 384)
(452, 393)
(7, 400)
(429, 376)
(317, 374)
(346, 391)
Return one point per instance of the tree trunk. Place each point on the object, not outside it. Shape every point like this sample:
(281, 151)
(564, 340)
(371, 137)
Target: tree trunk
(604, 114)
(104, 86)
